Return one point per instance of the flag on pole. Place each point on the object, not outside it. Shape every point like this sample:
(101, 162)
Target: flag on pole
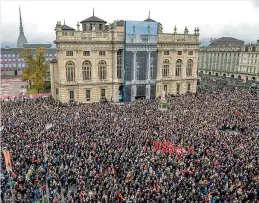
(7, 157)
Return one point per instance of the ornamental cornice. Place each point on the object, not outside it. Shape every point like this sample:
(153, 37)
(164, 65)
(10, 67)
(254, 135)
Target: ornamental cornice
(114, 50)
(61, 50)
(78, 50)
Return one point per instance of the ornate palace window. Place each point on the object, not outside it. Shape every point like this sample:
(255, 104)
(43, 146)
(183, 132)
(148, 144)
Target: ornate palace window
(189, 68)
(86, 70)
(102, 70)
(119, 64)
(70, 71)
(165, 69)
(178, 69)
(71, 95)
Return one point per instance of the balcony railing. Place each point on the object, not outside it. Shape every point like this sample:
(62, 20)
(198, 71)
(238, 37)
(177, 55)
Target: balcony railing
(178, 38)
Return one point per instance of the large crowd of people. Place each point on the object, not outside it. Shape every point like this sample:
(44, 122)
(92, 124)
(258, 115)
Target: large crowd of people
(105, 152)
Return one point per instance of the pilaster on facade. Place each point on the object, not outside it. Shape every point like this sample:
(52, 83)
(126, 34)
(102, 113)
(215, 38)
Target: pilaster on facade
(95, 68)
(159, 64)
(114, 55)
(79, 65)
(148, 91)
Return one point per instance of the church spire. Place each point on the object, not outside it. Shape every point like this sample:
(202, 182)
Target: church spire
(21, 27)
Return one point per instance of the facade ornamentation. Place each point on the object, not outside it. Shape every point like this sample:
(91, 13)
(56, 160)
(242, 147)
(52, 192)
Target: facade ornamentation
(160, 28)
(94, 68)
(175, 30)
(186, 31)
(148, 28)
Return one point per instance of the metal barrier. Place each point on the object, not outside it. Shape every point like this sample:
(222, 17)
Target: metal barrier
(31, 96)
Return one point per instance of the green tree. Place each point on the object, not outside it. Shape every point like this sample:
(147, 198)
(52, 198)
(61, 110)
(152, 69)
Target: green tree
(36, 67)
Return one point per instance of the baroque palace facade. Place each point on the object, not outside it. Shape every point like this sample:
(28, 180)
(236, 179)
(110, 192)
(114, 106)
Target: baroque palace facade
(109, 61)
(230, 57)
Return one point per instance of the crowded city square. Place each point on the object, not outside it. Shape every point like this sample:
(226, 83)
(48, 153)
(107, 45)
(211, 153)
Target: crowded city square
(203, 148)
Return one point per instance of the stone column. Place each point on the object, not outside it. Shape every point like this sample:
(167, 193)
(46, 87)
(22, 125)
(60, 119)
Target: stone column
(115, 64)
(148, 76)
(134, 87)
(148, 91)
(184, 64)
(133, 92)
(134, 66)
(195, 64)
(159, 72)
(61, 66)
(79, 66)
(114, 76)
(148, 65)
(159, 65)
(94, 66)
(173, 64)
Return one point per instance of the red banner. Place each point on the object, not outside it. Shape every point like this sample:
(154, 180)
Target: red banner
(169, 147)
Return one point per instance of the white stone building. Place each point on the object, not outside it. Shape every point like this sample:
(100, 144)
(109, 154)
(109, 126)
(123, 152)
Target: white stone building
(177, 62)
(90, 61)
(229, 57)
(249, 62)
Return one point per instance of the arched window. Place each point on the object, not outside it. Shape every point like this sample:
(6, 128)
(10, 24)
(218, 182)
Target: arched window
(86, 70)
(70, 71)
(102, 70)
(165, 69)
(189, 68)
(178, 69)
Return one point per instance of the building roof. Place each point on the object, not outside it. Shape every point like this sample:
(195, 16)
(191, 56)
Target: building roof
(227, 41)
(65, 27)
(149, 20)
(93, 19)
(37, 45)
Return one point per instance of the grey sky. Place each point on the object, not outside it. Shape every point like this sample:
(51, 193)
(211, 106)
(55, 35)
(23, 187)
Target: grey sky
(238, 19)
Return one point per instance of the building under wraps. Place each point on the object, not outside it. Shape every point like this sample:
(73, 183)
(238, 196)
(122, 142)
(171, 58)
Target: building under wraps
(122, 61)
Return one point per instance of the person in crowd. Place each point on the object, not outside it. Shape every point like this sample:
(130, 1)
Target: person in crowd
(105, 152)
